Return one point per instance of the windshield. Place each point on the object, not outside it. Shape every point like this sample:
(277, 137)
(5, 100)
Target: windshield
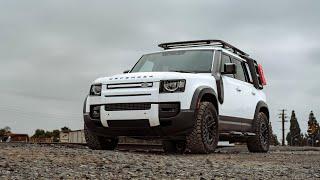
(191, 61)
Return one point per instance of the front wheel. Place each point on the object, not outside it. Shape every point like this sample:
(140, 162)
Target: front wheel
(261, 141)
(98, 142)
(204, 136)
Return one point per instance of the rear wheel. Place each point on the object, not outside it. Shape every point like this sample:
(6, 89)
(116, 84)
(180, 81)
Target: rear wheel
(204, 136)
(261, 141)
(174, 146)
(98, 142)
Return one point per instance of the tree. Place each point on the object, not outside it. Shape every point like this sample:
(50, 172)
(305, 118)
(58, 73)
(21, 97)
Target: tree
(39, 133)
(56, 135)
(304, 140)
(65, 129)
(273, 137)
(313, 130)
(5, 130)
(294, 136)
(4, 133)
(274, 140)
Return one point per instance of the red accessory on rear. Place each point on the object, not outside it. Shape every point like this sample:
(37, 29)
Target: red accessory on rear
(261, 74)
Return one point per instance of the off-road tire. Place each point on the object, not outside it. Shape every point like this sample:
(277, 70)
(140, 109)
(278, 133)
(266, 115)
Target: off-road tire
(174, 147)
(99, 143)
(204, 137)
(261, 141)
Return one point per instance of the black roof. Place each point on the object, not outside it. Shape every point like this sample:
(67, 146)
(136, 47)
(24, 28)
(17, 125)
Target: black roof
(197, 43)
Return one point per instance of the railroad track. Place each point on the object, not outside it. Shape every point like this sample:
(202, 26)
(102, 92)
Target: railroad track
(143, 146)
(121, 146)
(140, 147)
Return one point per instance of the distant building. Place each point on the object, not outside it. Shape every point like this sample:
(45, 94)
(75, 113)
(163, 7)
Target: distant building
(19, 137)
(41, 140)
(64, 137)
(76, 136)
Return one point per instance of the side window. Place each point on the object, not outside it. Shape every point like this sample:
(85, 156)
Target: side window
(240, 73)
(247, 70)
(225, 59)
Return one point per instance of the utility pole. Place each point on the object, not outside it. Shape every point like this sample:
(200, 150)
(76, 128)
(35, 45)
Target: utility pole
(283, 117)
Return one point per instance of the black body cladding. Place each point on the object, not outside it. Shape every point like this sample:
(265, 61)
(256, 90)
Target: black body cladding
(170, 127)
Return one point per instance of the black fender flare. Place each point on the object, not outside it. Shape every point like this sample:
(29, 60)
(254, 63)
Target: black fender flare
(219, 83)
(198, 94)
(261, 106)
(217, 75)
(85, 104)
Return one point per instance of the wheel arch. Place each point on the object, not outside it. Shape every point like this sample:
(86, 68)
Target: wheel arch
(204, 93)
(262, 107)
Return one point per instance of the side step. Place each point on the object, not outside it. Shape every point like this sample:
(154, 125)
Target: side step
(238, 134)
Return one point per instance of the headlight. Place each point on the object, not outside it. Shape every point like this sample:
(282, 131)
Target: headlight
(171, 86)
(95, 90)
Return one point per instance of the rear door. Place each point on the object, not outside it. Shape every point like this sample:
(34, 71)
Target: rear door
(253, 98)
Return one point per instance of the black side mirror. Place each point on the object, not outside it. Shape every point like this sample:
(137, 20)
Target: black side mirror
(126, 71)
(230, 68)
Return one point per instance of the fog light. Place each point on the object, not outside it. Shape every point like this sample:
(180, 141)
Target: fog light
(95, 112)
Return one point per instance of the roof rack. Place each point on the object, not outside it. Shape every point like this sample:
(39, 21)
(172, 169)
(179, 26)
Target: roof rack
(197, 43)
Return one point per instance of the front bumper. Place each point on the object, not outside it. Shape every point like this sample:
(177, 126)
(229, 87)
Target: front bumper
(138, 111)
(169, 127)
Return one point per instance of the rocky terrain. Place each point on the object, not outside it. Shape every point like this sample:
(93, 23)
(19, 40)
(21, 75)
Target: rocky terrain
(28, 161)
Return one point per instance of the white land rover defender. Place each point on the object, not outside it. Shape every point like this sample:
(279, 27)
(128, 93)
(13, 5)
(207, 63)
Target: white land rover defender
(190, 96)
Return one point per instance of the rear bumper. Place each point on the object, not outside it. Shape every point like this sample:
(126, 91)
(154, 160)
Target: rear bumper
(170, 127)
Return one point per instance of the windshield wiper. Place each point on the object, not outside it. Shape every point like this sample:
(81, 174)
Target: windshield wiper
(181, 71)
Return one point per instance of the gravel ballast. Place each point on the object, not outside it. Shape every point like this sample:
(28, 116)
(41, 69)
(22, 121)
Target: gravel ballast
(30, 161)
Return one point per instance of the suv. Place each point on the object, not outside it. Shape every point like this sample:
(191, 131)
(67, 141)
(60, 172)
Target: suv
(190, 95)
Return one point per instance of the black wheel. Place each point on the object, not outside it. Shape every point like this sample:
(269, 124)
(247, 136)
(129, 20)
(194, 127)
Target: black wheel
(261, 141)
(204, 136)
(99, 143)
(174, 146)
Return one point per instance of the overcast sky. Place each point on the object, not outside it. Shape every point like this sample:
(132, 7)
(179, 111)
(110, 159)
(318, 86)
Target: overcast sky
(50, 51)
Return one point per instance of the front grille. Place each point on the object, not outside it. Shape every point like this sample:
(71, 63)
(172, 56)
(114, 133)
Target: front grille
(127, 106)
(130, 85)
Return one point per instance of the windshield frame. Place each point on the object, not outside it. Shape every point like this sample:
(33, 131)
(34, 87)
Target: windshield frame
(212, 63)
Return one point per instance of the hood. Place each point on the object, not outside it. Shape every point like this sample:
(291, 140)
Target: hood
(147, 77)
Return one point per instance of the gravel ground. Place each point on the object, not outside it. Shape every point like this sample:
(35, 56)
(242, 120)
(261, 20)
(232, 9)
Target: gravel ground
(27, 161)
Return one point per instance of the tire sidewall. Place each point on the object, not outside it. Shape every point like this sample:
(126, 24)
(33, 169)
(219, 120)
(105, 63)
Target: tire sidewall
(264, 120)
(212, 110)
(255, 143)
(99, 143)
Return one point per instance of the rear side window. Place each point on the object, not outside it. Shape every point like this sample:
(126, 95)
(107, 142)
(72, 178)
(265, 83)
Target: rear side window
(225, 59)
(240, 75)
(247, 70)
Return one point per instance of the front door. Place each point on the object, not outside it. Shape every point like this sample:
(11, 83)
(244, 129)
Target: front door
(237, 104)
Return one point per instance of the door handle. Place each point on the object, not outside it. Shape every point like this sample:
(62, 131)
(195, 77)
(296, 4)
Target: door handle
(238, 89)
(253, 93)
